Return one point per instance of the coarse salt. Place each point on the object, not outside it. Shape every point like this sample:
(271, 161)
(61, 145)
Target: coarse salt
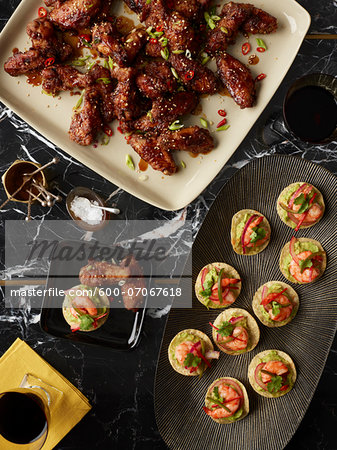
(81, 207)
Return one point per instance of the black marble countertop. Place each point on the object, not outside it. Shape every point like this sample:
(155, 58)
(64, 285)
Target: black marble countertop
(120, 385)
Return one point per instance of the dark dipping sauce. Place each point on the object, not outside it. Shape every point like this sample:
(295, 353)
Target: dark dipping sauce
(15, 177)
(311, 113)
(22, 419)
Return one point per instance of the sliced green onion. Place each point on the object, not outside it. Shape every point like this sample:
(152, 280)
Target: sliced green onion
(129, 161)
(104, 80)
(80, 100)
(105, 64)
(205, 59)
(80, 61)
(163, 41)
(176, 126)
(47, 93)
(223, 128)
(174, 72)
(129, 40)
(148, 30)
(215, 17)
(209, 20)
(177, 52)
(111, 63)
(224, 30)
(148, 2)
(158, 33)
(149, 115)
(204, 122)
(219, 285)
(105, 140)
(165, 53)
(183, 165)
(261, 43)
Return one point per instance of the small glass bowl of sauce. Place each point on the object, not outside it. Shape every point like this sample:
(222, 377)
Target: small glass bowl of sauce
(87, 193)
(310, 108)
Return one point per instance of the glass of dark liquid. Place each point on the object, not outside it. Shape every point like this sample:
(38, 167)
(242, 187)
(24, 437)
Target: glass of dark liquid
(309, 111)
(24, 417)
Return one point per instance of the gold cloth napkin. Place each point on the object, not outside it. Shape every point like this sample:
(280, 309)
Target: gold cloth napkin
(68, 405)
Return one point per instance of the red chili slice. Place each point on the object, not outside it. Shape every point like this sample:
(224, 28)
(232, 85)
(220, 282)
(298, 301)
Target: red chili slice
(246, 47)
(120, 130)
(260, 77)
(223, 122)
(107, 130)
(261, 49)
(189, 75)
(160, 28)
(154, 41)
(311, 201)
(85, 37)
(272, 298)
(42, 12)
(222, 113)
(49, 62)
(217, 329)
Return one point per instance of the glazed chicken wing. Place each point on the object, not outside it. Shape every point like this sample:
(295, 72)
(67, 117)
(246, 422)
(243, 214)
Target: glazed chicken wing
(232, 16)
(63, 78)
(75, 14)
(191, 139)
(44, 40)
(149, 150)
(105, 86)
(194, 75)
(100, 273)
(259, 22)
(156, 79)
(238, 80)
(109, 42)
(236, 17)
(45, 44)
(180, 34)
(87, 122)
(21, 63)
(133, 42)
(126, 104)
(191, 9)
(165, 111)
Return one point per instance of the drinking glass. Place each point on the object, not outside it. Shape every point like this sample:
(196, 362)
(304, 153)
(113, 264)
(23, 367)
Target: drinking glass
(24, 417)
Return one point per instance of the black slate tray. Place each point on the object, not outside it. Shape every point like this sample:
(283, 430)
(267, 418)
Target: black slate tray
(122, 329)
(307, 339)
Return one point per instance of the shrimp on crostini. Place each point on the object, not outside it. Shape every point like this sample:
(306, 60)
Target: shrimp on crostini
(285, 308)
(250, 230)
(308, 274)
(85, 305)
(231, 402)
(237, 341)
(274, 368)
(182, 351)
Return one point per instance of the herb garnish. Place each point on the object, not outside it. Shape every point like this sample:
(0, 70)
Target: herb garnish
(192, 360)
(275, 384)
(257, 234)
(226, 329)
